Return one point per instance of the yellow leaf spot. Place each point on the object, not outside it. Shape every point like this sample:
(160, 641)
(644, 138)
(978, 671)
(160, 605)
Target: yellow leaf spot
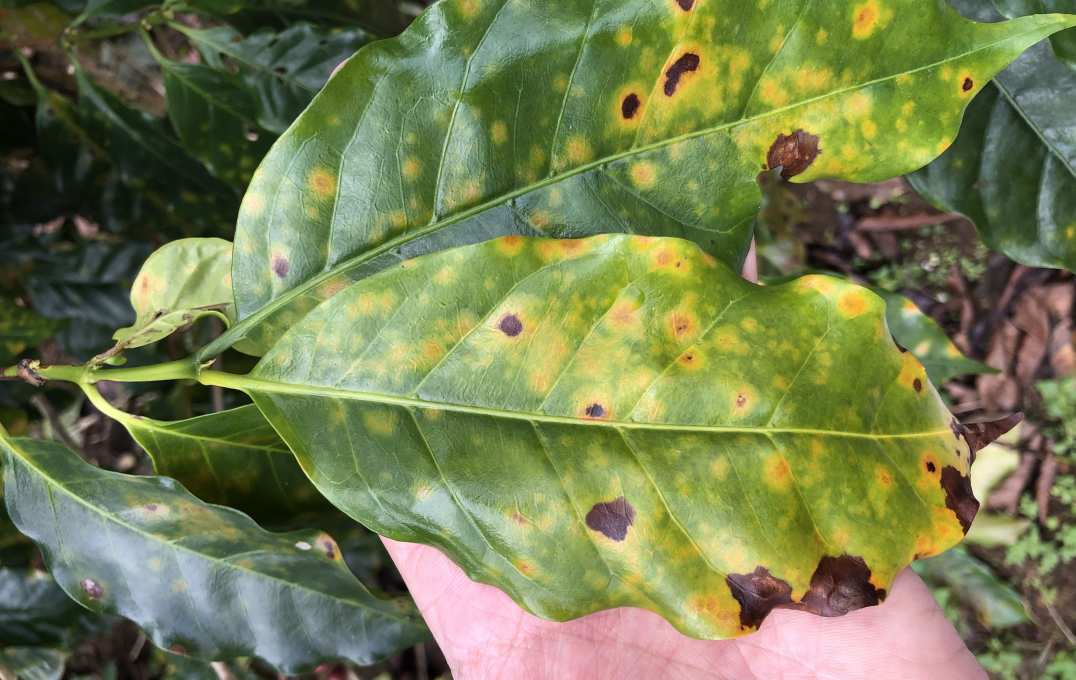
(822, 37)
(852, 303)
(749, 324)
(719, 468)
(579, 150)
(778, 474)
(643, 174)
(884, 477)
(321, 182)
(859, 104)
(510, 246)
(865, 17)
(623, 36)
(253, 204)
(499, 132)
(772, 93)
(411, 168)
(870, 129)
(380, 422)
(912, 374)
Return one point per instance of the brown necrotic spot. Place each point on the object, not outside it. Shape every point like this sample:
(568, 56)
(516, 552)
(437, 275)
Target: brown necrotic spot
(686, 5)
(280, 266)
(687, 63)
(979, 435)
(931, 468)
(92, 588)
(630, 106)
(840, 585)
(967, 85)
(758, 593)
(595, 410)
(958, 496)
(510, 325)
(918, 385)
(612, 518)
(793, 153)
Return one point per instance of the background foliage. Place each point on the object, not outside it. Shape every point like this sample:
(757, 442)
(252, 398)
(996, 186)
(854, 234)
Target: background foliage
(130, 124)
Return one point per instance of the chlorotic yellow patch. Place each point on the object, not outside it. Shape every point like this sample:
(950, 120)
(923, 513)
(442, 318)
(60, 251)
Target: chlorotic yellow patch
(321, 182)
(777, 473)
(579, 150)
(643, 174)
(498, 132)
(865, 19)
(852, 303)
(510, 245)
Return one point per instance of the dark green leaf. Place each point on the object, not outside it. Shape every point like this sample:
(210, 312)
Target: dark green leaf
(281, 70)
(621, 421)
(196, 577)
(214, 116)
(558, 118)
(1012, 169)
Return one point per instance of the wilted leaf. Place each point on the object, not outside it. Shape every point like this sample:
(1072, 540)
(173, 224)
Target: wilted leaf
(923, 337)
(1012, 169)
(995, 603)
(200, 579)
(622, 421)
(282, 70)
(181, 282)
(569, 118)
(21, 328)
(32, 663)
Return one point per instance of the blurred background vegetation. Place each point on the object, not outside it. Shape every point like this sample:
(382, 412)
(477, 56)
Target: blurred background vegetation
(128, 124)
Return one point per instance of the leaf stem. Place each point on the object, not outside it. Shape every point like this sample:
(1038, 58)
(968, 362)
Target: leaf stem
(180, 369)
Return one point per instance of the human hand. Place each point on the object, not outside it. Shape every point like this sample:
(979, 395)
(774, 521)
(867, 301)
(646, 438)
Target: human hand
(485, 635)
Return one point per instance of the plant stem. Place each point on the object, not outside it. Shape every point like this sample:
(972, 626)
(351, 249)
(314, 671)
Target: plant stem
(181, 369)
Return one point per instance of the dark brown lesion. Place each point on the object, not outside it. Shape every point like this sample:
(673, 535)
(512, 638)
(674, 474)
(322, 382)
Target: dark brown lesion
(510, 325)
(686, 5)
(280, 266)
(594, 410)
(979, 435)
(758, 594)
(967, 85)
(612, 519)
(793, 153)
(838, 585)
(687, 63)
(630, 106)
(917, 385)
(958, 496)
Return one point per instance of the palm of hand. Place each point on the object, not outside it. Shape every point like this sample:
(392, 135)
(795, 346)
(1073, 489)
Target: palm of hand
(485, 635)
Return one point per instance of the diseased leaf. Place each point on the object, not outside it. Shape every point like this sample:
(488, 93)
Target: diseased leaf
(232, 458)
(995, 603)
(21, 328)
(214, 116)
(1012, 169)
(32, 663)
(37, 25)
(201, 579)
(622, 421)
(488, 117)
(281, 70)
(923, 337)
(181, 282)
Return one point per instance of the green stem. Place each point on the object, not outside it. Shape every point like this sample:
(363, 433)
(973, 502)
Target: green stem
(180, 369)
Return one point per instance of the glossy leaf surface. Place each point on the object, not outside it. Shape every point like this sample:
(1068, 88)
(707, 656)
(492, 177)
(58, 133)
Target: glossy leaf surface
(34, 611)
(1012, 169)
(198, 578)
(488, 117)
(181, 282)
(282, 70)
(924, 338)
(623, 421)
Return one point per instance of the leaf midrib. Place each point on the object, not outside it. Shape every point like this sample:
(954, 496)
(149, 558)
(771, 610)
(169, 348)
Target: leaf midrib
(238, 331)
(248, 383)
(53, 483)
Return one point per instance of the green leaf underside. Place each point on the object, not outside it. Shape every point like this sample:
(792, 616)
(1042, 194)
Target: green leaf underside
(232, 458)
(489, 117)
(200, 579)
(181, 282)
(924, 338)
(622, 421)
(1012, 169)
